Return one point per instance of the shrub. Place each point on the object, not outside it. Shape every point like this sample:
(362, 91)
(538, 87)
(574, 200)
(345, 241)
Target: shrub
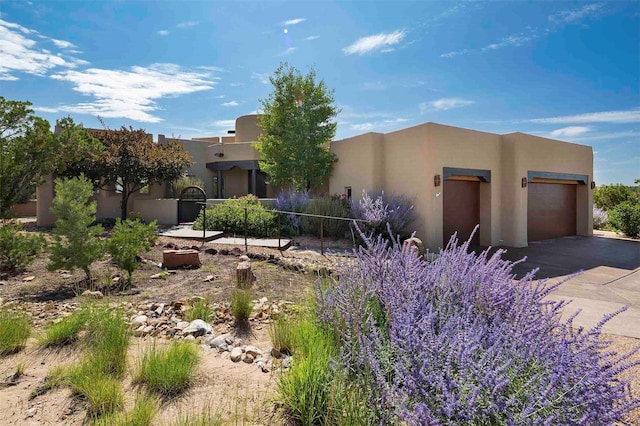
(17, 249)
(282, 335)
(108, 340)
(625, 217)
(144, 409)
(609, 196)
(171, 371)
(76, 243)
(290, 200)
(229, 217)
(15, 329)
(199, 310)
(327, 205)
(241, 305)
(176, 187)
(128, 239)
(65, 331)
(600, 217)
(457, 341)
(102, 392)
(385, 212)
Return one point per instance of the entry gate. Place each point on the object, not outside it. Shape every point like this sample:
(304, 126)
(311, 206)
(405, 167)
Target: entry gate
(192, 200)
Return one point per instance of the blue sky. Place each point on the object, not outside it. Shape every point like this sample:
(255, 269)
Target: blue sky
(567, 70)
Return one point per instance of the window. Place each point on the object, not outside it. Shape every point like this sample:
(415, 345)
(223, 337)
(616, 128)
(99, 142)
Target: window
(347, 191)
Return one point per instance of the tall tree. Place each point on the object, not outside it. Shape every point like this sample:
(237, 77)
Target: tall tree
(297, 125)
(29, 150)
(131, 161)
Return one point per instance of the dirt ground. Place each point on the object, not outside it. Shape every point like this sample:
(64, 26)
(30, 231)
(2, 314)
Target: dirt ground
(239, 393)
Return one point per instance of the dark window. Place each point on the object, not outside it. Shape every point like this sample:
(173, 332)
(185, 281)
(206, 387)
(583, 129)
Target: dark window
(347, 191)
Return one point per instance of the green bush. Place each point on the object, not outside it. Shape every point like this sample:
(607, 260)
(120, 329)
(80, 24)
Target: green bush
(108, 340)
(128, 239)
(625, 217)
(199, 310)
(327, 205)
(609, 196)
(229, 217)
(15, 329)
(241, 305)
(65, 331)
(17, 249)
(76, 243)
(282, 336)
(171, 371)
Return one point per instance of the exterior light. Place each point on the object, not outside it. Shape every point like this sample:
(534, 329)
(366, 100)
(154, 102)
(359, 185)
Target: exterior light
(436, 180)
(523, 182)
(593, 184)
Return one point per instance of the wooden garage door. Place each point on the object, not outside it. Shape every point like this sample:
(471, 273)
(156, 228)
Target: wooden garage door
(551, 211)
(461, 210)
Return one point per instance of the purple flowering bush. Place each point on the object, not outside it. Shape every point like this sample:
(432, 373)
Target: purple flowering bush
(600, 217)
(459, 341)
(383, 211)
(290, 200)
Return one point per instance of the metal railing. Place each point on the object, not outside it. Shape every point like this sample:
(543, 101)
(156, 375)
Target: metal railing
(280, 213)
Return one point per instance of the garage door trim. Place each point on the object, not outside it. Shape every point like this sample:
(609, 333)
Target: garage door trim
(483, 175)
(581, 179)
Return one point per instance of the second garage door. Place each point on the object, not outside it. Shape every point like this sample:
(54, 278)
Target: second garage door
(551, 211)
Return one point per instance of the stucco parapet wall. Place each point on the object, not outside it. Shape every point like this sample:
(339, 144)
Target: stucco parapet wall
(238, 151)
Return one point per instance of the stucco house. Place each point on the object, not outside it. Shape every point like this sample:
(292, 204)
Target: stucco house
(518, 187)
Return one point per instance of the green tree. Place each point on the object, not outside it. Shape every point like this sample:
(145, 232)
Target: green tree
(608, 196)
(29, 150)
(131, 161)
(128, 239)
(297, 126)
(76, 243)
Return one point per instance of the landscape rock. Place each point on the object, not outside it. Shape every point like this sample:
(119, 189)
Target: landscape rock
(182, 325)
(139, 320)
(198, 328)
(209, 278)
(235, 251)
(252, 350)
(179, 258)
(189, 337)
(220, 340)
(93, 294)
(211, 251)
(276, 353)
(29, 278)
(236, 354)
(248, 358)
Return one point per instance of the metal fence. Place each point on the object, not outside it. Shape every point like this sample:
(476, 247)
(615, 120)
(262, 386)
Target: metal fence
(280, 213)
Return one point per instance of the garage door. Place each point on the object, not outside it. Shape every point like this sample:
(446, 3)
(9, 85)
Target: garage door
(551, 211)
(461, 209)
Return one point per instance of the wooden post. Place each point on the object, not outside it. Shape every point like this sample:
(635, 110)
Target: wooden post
(322, 236)
(246, 229)
(204, 222)
(279, 230)
(244, 275)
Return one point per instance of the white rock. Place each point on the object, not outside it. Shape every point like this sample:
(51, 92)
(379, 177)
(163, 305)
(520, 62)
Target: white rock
(139, 320)
(219, 341)
(236, 354)
(198, 328)
(252, 350)
(182, 325)
(189, 337)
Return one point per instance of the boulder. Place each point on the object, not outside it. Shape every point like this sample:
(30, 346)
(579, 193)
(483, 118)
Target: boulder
(198, 328)
(180, 258)
(219, 340)
(252, 350)
(414, 244)
(236, 354)
(139, 320)
(93, 294)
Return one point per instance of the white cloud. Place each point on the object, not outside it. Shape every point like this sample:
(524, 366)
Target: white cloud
(569, 132)
(444, 104)
(512, 40)
(211, 68)
(377, 42)
(287, 51)
(373, 85)
(163, 32)
(455, 53)
(131, 93)
(629, 116)
(363, 127)
(62, 44)
(187, 24)
(378, 125)
(313, 37)
(221, 126)
(295, 21)
(570, 16)
(263, 78)
(230, 104)
(20, 53)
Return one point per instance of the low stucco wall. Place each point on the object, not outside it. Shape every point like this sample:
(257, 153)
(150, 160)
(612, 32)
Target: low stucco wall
(164, 210)
(28, 209)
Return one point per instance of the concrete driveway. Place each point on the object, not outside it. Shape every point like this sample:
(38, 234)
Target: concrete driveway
(609, 281)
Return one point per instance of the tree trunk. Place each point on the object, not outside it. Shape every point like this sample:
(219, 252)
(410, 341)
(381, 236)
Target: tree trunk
(244, 275)
(124, 202)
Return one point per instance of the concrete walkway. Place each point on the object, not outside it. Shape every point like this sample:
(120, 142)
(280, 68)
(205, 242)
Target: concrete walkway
(609, 281)
(254, 242)
(185, 231)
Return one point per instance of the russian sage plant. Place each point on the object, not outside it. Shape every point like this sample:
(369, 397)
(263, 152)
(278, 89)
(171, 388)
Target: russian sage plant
(383, 211)
(290, 200)
(459, 341)
(600, 217)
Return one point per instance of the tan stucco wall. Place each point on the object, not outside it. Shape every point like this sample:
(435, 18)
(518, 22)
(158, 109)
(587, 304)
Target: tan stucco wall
(165, 211)
(201, 152)
(524, 153)
(240, 151)
(236, 182)
(247, 128)
(359, 166)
